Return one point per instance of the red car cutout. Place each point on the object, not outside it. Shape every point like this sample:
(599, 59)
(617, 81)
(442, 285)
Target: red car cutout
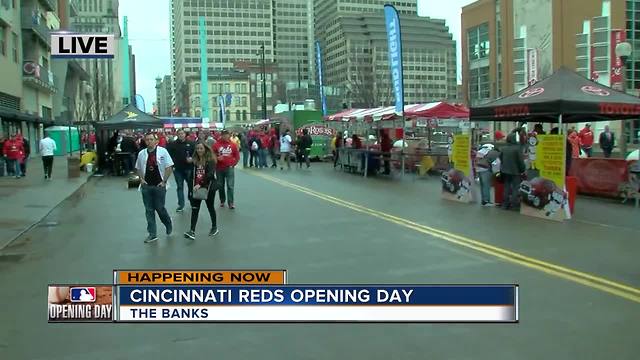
(454, 180)
(540, 192)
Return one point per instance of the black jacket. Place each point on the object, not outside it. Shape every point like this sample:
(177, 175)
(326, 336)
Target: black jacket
(179, 151)
(306, 141)
(512, 158)
(129, 145)
(607, 143)
(209, 177)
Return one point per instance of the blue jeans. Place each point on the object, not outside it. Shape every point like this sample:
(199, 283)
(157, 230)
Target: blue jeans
(153, 199)
(245, 157)
(13, 166)
(263, 157)
(227, 175)
(181, 176)
(485, 185)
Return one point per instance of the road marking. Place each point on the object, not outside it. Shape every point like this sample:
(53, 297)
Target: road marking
(611, 287)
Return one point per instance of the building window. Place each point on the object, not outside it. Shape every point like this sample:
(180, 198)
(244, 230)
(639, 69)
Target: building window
(243, 101)
(478, 42)
(3, 41)
(196, 88)
(238, 115)
(244, 114)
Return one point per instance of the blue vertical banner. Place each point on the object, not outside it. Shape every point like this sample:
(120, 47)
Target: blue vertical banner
(223, 110)
(323, 99)
(204, 72)
(394, 40)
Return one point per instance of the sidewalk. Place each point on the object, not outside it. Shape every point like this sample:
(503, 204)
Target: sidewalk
(26, 201)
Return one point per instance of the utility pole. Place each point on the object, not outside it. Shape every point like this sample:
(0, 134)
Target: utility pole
(96, 91)
(264, 84)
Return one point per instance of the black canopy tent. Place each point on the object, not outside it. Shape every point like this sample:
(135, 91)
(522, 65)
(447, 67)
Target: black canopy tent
(129, 118)
(564, 97)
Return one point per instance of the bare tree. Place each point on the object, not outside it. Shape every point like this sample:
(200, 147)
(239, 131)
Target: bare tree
(365, 88)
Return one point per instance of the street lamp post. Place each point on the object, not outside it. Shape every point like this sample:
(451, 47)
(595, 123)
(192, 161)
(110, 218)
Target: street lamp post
(264, 83)
(623, 51)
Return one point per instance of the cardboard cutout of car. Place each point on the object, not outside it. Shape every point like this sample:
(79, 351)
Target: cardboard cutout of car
(541, 192)
(454, 180)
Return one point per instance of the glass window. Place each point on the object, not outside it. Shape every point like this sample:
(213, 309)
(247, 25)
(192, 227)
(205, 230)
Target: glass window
(238, 115)
(244, 115)
(196, 87)
(15, 47)
(3, 41)
(227, 87)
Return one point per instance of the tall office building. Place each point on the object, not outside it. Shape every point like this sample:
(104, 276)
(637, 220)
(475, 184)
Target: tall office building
(163, 95)
(236, 30)
(293, 41)
(355, 53)
(101, 17)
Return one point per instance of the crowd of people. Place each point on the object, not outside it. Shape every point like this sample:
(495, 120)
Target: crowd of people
(205, 162)
(15, 151)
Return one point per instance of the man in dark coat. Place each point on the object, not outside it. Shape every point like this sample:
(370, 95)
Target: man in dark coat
(607, 141)
(511, 169)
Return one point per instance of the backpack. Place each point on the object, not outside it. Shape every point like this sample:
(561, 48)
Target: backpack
(254, 145)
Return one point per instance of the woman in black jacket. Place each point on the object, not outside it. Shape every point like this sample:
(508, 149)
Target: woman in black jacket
(203, 177)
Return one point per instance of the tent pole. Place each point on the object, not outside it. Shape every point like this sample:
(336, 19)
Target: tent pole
(560, 124)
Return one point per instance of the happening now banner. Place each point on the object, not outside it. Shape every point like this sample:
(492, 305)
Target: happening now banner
(263, 296)
(457, 183)
(545, 196)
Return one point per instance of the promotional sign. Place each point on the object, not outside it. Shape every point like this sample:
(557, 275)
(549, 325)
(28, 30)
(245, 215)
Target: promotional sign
(457, 183)
(545, 196)
(82, 46)
(394, 41)
(617, 78)
(223, 112)
(323, 99)
(532, 66)
(264, 296)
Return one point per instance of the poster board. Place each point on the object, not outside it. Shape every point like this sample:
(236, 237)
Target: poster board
(545, 196)
(457, 183)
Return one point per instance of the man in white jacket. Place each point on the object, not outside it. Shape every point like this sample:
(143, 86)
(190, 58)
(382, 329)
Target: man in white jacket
(47, 149)
(155, 167)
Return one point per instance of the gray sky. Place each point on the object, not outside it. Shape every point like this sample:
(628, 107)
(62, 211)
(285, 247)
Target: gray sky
(149, 35)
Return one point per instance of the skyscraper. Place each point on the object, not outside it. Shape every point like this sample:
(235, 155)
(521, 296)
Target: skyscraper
(293, 33)
(235, 31)
(355, 52)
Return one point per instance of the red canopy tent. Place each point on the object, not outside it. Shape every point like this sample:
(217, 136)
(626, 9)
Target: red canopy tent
(434, 110)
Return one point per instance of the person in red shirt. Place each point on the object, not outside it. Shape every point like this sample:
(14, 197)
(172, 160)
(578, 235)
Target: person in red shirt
(162, 140)
(265, 139)
(385, 146)
(586, 139)
(228, 156)
(92, 140)
(13, 150)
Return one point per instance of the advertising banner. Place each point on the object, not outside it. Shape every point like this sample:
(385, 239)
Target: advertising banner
(323, 98)
(617, 37)
(457, 183)
(394, 41)
(545, 195)
(532, 66)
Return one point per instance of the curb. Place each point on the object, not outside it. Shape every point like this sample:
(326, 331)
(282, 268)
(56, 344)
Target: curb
(35, 223)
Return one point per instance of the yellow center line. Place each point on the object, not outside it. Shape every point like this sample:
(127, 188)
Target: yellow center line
(625, 291)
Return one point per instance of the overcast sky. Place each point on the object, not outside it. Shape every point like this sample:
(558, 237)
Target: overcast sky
(149, 35)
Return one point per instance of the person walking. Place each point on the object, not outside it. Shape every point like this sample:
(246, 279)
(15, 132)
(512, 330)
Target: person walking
(244, 147)
(273, 146)
(512, 168)
(386, 145)
(26, 147)
(227, 157)
(337, 144)
(586, 139)
(154, 165)
(181, 152)
(306, 143)
(47, 149)
(13, 153)
(485, 157)
(264, 148)
(607, 141)
(254, 148)
(203, 188)
(285, 150)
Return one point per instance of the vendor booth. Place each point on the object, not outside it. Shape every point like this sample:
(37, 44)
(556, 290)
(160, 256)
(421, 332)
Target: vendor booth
(421, 140)
(129, 118)
(564, 97)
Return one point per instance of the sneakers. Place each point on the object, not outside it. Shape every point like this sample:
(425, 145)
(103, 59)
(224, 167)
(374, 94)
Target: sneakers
(213, 232)
(169, 229)
(150, 239)
(190, 235)
(180, 209)
(221, 205)
(232, 206)
(487, 204)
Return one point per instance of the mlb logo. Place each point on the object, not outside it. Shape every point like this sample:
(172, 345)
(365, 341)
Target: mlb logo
(82, 294)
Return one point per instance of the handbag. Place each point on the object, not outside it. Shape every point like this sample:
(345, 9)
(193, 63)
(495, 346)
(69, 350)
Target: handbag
(201, 193)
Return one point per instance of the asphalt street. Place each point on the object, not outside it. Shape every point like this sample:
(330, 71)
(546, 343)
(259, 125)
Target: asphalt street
(579, 280)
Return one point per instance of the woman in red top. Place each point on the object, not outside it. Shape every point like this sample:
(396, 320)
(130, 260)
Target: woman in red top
(203, 176)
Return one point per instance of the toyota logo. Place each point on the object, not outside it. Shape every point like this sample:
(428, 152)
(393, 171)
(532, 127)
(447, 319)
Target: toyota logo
(531, 93)
(594, 90)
